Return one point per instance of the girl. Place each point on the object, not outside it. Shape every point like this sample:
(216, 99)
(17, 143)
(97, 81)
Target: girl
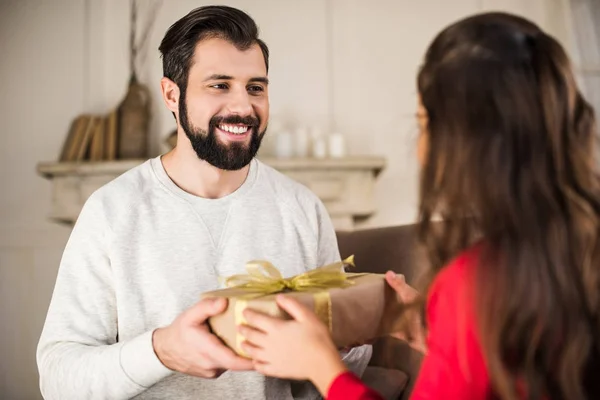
(507, 158)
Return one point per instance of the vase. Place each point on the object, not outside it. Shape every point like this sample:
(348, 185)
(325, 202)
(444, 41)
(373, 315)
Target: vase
(134, 116)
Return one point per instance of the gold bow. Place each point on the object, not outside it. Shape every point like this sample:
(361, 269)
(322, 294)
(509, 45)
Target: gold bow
(263, 278)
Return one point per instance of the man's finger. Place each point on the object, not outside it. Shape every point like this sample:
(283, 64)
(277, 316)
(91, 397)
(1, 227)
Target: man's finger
(240, 364)
(294, 308)
(204, 373)
(204, 309)
(224, 357)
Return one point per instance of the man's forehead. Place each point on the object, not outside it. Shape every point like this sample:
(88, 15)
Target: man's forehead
(217, 56)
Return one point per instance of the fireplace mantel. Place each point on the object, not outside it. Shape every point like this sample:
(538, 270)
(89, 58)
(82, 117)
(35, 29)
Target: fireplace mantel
(345, 185)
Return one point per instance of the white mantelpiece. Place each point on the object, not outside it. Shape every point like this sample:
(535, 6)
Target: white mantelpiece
(345, 185)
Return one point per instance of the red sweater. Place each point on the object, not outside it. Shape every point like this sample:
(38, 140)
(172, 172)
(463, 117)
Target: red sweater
(454, 367)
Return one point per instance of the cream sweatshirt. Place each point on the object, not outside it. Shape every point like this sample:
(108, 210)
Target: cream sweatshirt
(141, 252)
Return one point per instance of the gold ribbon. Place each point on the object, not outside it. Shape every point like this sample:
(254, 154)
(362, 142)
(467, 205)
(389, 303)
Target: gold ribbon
(263, 279)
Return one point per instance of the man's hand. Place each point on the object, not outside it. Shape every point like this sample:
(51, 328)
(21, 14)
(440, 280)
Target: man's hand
(414, 333)
(187, 346)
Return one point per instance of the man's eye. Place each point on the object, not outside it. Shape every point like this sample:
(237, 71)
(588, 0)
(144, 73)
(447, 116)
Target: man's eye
(220, 86)
(256, 89)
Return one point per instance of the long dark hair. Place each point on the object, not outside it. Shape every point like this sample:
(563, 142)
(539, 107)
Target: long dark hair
(510, 163)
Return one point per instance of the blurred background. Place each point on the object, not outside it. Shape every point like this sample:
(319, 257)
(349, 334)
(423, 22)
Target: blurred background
(342, 104)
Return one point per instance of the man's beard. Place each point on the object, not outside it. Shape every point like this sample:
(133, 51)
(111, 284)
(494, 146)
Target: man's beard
(231, 157)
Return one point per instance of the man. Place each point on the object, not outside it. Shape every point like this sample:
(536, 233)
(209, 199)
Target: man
(124, 320)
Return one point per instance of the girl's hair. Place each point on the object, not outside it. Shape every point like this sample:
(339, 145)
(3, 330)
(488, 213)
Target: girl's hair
(510, 164)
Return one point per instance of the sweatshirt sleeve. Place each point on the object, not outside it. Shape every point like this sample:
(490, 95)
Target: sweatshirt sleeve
(79, 355)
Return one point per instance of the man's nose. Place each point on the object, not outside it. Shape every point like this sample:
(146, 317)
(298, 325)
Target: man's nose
(240, 103)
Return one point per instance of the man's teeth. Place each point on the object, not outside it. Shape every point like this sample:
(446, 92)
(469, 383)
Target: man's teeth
(236, 129)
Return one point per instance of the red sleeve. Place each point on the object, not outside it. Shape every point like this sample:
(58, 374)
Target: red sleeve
(348, 386)
(454, 366)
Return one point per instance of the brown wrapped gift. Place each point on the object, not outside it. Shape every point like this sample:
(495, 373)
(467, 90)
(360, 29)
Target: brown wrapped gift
(356, 307)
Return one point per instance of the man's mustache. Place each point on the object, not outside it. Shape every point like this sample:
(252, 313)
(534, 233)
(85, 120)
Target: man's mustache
(235, 119)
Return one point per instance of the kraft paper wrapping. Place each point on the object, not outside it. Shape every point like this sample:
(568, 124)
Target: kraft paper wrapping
(360, 312)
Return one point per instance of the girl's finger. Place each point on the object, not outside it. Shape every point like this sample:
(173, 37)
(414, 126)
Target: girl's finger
(396, 281)
(294, 308)
(253, 351)
(399, 335)
(252, 335)
(261, 321)
(263, 368)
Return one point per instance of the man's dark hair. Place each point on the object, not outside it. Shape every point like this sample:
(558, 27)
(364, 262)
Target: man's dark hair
(228, 23)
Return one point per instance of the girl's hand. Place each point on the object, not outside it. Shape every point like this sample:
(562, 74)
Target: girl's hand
(414, 333)
(299, 349)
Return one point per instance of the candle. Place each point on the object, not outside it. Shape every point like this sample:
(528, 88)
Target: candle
(319, 147)
(284, 147)
(302, 143)
(337, 147)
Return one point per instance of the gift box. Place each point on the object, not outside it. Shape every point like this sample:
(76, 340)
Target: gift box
(356, 307)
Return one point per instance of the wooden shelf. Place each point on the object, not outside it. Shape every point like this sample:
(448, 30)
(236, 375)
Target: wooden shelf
(345, 185)
(52, 169)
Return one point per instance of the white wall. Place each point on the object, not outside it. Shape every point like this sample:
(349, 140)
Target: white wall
(378, 51)
(345, 65)
(342, 63)
(42, 76)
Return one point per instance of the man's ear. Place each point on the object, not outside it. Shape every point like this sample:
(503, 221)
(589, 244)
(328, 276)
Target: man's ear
(170, 94)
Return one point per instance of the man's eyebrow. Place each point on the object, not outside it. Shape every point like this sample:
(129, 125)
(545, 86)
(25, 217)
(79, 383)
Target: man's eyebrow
(221, 77)
(218, 77)
(261, 79)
